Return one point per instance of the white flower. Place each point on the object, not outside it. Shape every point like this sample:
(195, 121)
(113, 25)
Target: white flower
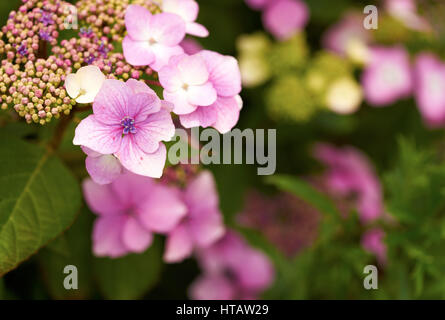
(84, 85)
(344, 96)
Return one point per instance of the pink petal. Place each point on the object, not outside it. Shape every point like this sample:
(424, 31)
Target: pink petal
(197, 30)
(202, 116)
(97, 136)
(107, 237)
(137, 53)
(201, 192)
(179, 245)
(207, 228)
(162, 210)
(203, 95)
(137, 22)
(167, 29)
(227, 110)
(186, 9)
(103, 169)
(155, 128)
(101, 199)
(212, 287)
(111, 104)
(180, 101)
(162, 54)
(193, 70)
(139, 162)
(143, 104)
(138, 86)
(132, 189)
(135, 237)
(170, 78)
(90, 152)
(224, 73)
(256, 271)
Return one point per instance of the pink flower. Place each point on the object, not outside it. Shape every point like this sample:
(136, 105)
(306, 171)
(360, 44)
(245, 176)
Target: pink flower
(221, 75)
(186, 83)
(406, 12)
(188, 11)
(347, 33)
(130, 209)
(103, 168)
(129, 121)
(350, 173)
(429, 74)
(152, 39)
(203, 224)
(372, 241)
(232, 270)
(387, 76)
(284, 18)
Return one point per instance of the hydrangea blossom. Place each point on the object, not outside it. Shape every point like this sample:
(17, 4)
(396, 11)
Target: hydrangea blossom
(216, 73)
(387, 76)
(372, 241)
(129, 211)
(203, 224)
(231, 270)
(84, 85)
(152, 39)
(350, 173)
(430, 88)
(188, 11)
(129, 121)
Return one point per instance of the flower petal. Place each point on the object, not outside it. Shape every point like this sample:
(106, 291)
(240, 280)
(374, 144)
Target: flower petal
(202, 116)
(137, 53)
(139, 86)
(135, 237)
(186, 9)
(100, 198)
(162, 210)
(180, 101)
(137, 22)
(163, 54)
(179, 245)
(143, 104)
(139, 162)
(155, 128)
(72, 85)
(197, 30)
(91, 80)
(103, 169)
(107, 237)
(167, 29)
(97, 136)
(112, 102)
(227, 110)
(170, 78)
(203, 95)
(212, 287)
(193, 70)
(224, 71)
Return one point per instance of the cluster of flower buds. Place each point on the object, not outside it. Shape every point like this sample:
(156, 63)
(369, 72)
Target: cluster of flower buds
(39, 51)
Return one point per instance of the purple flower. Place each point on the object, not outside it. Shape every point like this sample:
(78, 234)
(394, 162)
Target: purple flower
(231, 270)
(429, 74)
(129, 122)
(152, 39)
(86, 33)
(130, 210)
(45, 35)
(46, 18)
(203, 224)
(350, 173)
(387, 76)
(22, 50)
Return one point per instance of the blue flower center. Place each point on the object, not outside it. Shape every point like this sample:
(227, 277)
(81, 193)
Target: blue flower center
(128, 124)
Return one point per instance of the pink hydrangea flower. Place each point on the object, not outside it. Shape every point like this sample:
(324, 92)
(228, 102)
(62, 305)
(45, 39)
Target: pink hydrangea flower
(284, 18)
(429, 76)
(346, 33)
(152, 39)
(102, 168)
(372, 241)
(232, 270)
(186, 83)
(130, 210)
(188, 11)
(128, 121)
(220, 73)
(387, 76)
(203, 224)
(350, 173)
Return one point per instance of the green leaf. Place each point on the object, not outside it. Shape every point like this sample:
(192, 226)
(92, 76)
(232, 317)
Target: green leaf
(129, 277)
(39, 199)
(71, 248)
